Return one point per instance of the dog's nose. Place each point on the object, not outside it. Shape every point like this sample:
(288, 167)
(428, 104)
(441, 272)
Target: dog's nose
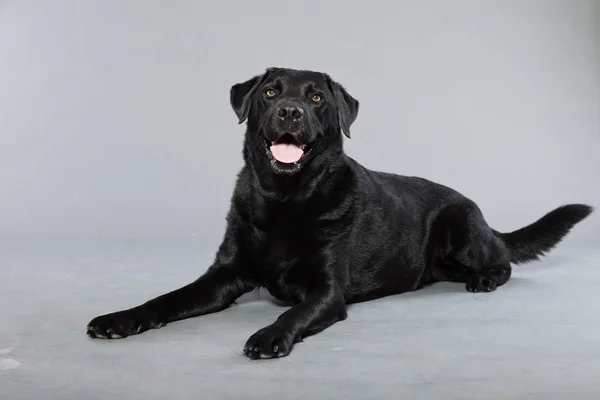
(290, 112)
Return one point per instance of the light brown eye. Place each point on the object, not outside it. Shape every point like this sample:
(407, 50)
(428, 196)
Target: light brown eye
(270, 93)
(316, 98)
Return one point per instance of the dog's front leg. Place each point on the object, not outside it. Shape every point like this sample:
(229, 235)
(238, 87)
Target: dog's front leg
(213, 291)
(322, 307)
(226, 280)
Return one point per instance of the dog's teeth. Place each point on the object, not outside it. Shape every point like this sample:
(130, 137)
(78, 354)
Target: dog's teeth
(303, 147)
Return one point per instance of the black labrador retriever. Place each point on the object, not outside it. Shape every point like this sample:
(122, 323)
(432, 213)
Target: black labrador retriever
(320, 231)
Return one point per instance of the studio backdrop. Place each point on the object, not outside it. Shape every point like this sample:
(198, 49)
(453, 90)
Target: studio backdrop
(115, 120)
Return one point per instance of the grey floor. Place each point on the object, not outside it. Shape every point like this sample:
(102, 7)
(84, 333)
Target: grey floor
(536, 338)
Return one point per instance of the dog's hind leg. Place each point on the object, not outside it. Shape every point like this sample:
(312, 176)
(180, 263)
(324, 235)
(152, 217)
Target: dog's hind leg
(468, 251)
(486, 259)
(487, 253)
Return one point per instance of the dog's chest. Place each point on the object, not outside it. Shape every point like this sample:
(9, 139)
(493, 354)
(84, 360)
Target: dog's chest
(281, 264)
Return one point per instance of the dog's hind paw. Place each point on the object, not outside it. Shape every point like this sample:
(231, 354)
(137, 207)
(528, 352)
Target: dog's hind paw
(481, 283)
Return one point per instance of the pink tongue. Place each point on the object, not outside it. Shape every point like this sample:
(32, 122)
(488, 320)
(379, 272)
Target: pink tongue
(286, 153)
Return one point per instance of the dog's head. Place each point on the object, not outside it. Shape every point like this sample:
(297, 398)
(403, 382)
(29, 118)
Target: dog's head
(294, 117)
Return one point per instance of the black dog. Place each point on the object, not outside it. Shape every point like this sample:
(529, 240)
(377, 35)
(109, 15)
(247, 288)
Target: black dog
(320, 231)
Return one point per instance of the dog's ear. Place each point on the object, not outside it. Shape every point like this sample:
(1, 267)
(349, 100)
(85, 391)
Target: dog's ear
(240, 95)
(347, 105)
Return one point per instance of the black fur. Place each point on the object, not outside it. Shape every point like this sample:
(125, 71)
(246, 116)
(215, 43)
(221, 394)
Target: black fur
(325, 231)
(529, 243)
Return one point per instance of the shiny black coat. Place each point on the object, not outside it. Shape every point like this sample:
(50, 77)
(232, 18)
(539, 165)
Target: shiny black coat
(325, 231)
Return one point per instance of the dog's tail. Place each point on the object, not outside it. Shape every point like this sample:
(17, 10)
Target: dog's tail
(533, 241)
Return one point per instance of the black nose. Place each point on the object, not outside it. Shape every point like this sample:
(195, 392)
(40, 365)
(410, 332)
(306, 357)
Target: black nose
(290, 112)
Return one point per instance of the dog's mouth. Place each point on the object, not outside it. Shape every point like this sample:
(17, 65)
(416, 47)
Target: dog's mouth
(287, 149)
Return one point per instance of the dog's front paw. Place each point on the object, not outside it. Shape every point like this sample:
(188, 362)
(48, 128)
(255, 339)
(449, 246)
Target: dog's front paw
(123, 323)
(270, 342)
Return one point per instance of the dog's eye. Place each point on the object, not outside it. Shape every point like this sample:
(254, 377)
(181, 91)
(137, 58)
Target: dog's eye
(316, 98)
(270, 93)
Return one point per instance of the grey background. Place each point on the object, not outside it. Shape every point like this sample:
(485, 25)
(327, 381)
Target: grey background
(118, 154)
(115, 121)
